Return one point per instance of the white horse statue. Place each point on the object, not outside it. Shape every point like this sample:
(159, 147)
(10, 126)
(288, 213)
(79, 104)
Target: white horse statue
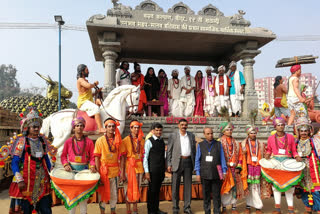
(115, 106)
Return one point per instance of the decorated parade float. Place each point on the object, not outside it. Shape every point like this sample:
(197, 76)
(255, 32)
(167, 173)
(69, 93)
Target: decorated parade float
(148, 34)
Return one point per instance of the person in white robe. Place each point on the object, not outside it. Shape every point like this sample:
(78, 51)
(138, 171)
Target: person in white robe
(187, 98)
(174, 91)
(237, 88)
(221, 88)
(208, 88)
(123, 75)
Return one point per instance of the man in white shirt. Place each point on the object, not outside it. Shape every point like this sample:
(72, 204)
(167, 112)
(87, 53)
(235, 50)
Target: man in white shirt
(174, 91)
(208, 88)
(181, 158)
(187, 98)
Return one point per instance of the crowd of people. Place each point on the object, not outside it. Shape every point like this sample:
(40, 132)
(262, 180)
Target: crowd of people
(202, 95)
(220, 164)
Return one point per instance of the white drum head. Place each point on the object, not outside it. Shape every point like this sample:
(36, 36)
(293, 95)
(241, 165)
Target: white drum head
(62, 173)
(292, 165)
(271, 163)
(86, 175)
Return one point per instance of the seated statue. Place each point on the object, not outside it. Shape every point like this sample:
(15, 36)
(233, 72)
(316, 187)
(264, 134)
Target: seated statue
(85, 99)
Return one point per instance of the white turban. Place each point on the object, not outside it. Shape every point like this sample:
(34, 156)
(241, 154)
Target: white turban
(221, 67)
(175, 71)
(232, 63)
(187, 68)
(209, 68)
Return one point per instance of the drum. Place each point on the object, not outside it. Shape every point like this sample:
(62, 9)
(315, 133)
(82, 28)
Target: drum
(62, 174)
(86, 175)
(271, 163)
(292, 165)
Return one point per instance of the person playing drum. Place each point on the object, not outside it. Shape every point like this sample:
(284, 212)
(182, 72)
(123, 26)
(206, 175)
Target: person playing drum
(281, 146)
(106, 154)
(77, 154)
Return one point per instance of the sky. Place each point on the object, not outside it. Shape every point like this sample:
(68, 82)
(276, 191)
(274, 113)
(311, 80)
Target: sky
(33, 51)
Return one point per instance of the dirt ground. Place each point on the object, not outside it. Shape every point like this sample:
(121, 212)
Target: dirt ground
(196, 206)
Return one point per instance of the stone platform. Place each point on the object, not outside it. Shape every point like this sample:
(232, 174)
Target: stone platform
(213, 122)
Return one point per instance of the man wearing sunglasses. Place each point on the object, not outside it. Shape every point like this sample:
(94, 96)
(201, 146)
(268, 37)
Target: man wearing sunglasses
(77, 154)
(281, 146)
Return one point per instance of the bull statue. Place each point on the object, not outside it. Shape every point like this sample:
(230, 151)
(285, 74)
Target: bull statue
(47, 105)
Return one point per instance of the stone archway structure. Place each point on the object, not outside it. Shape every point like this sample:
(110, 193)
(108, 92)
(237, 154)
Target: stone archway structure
(147, 34)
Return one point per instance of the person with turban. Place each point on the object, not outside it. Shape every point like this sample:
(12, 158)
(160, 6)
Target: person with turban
(308, 149)
(30, 190)
(295, 100)
(235, 183)
(174, 91)
(131, 171)
(281, 146)
(221, 88)
(77, 154)
(106, 154)
(187, 99)
(237, 88)
(208, 90)
(253, 151)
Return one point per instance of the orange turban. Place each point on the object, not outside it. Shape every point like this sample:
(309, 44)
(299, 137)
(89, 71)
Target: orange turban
(140, 134)
(117, 137)
(295, 68)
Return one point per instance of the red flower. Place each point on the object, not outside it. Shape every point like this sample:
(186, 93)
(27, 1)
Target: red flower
(21, 114)
(40, 114)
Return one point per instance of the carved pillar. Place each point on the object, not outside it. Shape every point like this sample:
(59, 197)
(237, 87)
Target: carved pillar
(110, 52)
(246, 53)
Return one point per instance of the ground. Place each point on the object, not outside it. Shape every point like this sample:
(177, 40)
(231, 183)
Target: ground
(196, 206)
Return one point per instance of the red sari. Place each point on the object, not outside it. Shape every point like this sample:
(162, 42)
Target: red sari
(198, 93)
(143, 96)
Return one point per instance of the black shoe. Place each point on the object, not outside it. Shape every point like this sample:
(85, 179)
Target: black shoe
(188, 212)
(161, 212)
(175, 212)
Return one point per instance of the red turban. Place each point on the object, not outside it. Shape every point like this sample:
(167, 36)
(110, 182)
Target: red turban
(295, 68)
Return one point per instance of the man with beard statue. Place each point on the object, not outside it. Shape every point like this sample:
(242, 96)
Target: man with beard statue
(187, 98)
(174, 91)
(309, 150)
(85, 99)
(123, 74)
(221, 87)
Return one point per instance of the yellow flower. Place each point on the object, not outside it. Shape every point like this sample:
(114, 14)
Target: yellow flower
(23, 110)
(301, 109)
(39, 111)
(31, 103)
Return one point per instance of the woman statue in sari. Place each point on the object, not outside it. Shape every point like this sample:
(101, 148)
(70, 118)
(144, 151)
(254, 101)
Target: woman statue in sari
(198, 94)
(163, 93)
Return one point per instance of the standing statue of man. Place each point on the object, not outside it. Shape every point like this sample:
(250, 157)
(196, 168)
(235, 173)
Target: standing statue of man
(208, 90)
(174, 91)
(187, 98)
(295, 100)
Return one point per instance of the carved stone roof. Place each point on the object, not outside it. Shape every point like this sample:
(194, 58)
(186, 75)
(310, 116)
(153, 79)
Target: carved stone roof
(181, 8)
(149, 5)
(210, 10)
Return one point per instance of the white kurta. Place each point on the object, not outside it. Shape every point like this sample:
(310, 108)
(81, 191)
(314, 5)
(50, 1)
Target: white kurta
(187, 100)
(174, 103)
(122, 78)
(254, 198)
(209, 106)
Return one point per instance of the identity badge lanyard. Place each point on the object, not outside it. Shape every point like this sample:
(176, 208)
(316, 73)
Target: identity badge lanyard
(209, 158)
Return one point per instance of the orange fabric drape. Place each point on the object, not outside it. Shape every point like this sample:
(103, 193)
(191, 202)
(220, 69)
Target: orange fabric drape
(133, 189)
(104, 190)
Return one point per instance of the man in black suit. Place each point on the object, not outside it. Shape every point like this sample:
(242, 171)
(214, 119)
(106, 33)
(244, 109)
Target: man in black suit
(181, 158)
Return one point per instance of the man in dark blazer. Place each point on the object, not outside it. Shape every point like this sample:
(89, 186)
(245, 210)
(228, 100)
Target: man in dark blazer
(181, 158)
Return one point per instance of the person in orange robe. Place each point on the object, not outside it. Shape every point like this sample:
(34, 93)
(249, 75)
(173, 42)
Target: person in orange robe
(131, 151)
(137, 78)
(253, 150)
(106, 154)
(234, 185)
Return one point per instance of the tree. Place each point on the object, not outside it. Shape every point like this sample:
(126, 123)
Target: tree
(9, 85)
(33, 90)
